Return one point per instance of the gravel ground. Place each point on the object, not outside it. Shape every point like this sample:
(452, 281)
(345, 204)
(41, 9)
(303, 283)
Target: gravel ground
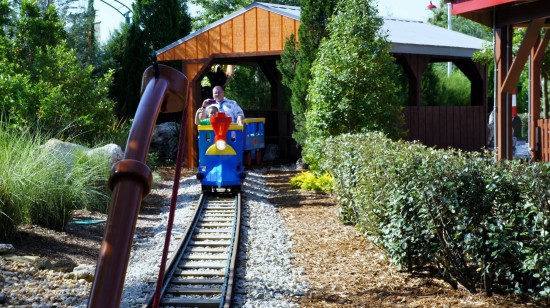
(265, 276)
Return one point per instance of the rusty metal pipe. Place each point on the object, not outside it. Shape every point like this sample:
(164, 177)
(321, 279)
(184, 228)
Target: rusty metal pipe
(130, 181)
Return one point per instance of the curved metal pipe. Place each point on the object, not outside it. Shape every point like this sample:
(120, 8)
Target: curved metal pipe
(130, 181)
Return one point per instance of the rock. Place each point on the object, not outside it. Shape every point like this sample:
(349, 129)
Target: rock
(112, 151)
(6, 248)
(84, 271)
(61, 147)
(67, 151)
(42, 264)
(165, 141)
(301, 164)
(64, 266)
(271, 152)
(3, 298)
(22, 259)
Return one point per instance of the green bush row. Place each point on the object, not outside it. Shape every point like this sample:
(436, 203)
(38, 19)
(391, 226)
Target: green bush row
(39, 186)
(480, 223)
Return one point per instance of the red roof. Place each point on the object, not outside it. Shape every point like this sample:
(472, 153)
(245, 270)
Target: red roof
(501, 12)
(463, 6)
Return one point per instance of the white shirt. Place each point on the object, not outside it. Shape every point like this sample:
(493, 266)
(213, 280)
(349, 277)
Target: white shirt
(231, 109)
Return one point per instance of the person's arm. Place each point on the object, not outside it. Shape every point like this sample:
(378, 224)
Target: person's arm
(240, 113)
(199, 115)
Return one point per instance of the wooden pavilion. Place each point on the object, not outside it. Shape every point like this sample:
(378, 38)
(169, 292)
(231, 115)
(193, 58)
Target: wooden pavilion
(503, 16)
(257, 34)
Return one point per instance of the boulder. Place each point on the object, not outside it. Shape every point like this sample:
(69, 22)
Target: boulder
(112, 151)
(301, 164)
(271, 152)
(84, 271)
(165, 141)
(62, 148)
(67, 150)
(64, 266)
(6, 248)
(42, 264)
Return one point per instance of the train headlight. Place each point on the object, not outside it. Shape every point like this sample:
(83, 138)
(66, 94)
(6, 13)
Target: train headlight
(221, 144)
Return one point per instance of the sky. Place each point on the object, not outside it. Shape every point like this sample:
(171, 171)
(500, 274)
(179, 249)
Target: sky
(111, 19)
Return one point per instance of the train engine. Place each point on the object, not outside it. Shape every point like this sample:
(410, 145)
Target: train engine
(223, 147)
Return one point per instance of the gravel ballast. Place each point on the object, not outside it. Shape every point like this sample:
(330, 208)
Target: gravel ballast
(265, 276)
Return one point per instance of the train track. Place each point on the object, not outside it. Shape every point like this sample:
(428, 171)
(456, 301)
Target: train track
(200, 271)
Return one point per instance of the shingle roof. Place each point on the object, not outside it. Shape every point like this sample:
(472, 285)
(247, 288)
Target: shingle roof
(417, 37)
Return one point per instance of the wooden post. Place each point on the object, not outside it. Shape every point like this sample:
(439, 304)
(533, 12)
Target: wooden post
(503, 112)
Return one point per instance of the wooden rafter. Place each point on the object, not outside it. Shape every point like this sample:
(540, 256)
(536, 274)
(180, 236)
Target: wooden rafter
(531, 36)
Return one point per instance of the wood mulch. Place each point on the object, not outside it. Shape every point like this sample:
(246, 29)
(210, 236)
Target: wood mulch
(345, 269)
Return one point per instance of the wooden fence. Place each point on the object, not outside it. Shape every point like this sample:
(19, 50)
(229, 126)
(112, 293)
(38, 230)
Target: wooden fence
(461, 127)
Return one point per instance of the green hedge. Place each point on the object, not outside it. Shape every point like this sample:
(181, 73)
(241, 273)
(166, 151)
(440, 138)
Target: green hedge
(480, 223)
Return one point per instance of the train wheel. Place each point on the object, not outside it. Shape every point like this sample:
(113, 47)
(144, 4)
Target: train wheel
(258, 157)
(248, 158)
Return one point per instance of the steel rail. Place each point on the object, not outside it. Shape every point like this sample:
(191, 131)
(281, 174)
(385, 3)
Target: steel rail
(181, 288)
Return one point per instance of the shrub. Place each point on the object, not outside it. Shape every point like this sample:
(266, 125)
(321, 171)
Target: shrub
(16, 152)
(481, 223)
(311, 181)
(43, 187)
(61, 184)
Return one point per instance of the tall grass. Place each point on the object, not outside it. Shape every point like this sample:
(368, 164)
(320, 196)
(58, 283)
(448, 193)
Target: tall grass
(42, 186)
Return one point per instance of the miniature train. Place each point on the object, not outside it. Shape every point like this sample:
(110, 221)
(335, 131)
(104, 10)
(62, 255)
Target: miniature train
(225, 149)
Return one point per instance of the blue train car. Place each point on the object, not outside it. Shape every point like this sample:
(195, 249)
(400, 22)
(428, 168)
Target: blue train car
(253, 140)
(224, 149)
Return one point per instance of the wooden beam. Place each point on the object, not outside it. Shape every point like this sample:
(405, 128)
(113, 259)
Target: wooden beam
(537, 55)
(414, 66)
(531, 36)
(522, 13)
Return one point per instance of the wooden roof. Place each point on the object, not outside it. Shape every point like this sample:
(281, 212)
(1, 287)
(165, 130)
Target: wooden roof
(260, 28)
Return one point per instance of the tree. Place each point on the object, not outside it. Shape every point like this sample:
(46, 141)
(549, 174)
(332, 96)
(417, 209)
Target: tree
(44, 84)
(35, 30)
(353, 87)
(218, 9)
(81, 35)
(459, 23)
(297, 58)
(439, 85)
(214, 10)
(156, 23)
